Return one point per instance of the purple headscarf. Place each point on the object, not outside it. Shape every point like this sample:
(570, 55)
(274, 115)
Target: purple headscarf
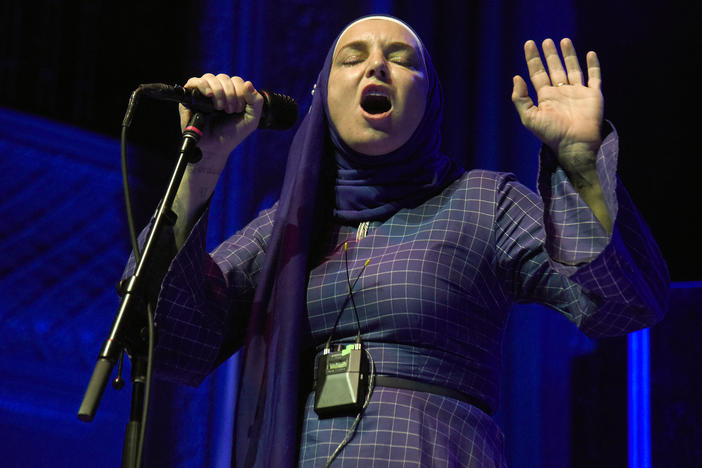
(370, 188)
(367, 188)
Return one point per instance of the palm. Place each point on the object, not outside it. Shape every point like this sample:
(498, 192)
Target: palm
(568, 114)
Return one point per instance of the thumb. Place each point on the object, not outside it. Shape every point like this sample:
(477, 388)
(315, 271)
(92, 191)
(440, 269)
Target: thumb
(254, 102)
(185, 115)
(520, 96)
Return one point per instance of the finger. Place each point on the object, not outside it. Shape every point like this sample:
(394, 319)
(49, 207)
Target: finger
(229, 92)
(199, 84)
(216, 90)
(239, 103)
(555, 66)
(520, 96)
(570, 57)
(537, 73)
(594, 79)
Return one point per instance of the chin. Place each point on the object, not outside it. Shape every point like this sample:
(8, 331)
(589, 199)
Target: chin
(375, 145)
(374, 148)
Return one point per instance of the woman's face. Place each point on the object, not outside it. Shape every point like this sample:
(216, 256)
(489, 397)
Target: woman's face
(377, 86)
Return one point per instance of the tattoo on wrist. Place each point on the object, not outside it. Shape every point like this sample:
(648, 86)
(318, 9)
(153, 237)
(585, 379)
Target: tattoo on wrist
(203, 170)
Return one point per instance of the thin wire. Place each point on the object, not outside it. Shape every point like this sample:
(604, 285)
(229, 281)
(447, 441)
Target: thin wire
(341, 311)
(348, 281)
(137, 256)
(352, 430)
(127, 196)
(147, 386)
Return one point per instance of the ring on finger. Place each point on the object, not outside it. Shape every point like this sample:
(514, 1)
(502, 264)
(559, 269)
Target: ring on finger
(561, 84)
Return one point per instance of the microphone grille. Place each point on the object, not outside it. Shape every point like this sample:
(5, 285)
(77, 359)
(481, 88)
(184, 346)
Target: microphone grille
(279, 111)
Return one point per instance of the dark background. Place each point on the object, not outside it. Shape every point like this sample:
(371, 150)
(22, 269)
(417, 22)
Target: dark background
(66, 72)
(79, 63)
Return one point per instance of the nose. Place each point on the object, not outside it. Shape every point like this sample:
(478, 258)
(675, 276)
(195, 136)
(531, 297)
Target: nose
(377, 66)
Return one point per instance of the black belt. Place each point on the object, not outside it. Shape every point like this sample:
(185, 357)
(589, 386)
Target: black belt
(408, 384)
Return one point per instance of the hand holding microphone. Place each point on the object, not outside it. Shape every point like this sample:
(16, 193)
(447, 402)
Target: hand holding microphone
(222, 95)
(239, 108)
(234, 110)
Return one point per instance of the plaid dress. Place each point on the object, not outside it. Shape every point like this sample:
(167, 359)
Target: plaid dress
(432, 303)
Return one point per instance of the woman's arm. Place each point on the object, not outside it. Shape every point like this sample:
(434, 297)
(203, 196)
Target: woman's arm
(568, 117)
(554, 251)
(222, 134)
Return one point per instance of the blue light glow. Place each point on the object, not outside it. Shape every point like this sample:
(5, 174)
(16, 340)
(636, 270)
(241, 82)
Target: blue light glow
(639, 400)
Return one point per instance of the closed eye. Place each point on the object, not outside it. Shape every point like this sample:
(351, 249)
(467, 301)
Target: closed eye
(351, 61)
(403, 54)
(404, 62)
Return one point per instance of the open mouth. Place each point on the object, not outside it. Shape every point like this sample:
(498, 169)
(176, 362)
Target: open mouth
(375, 103)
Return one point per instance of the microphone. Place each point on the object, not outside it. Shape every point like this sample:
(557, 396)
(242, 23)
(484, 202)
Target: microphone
(279, 110)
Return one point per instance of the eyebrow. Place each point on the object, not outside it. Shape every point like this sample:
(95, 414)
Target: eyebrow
(362, 45)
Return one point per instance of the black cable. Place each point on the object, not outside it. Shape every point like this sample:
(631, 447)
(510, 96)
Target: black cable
(137, 255)
(126, 122)
(348, 281)
(351, 286)
(127, 196)
(352, 430)
(147, 386)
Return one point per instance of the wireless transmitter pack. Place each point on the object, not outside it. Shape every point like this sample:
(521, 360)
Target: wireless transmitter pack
(342, 381)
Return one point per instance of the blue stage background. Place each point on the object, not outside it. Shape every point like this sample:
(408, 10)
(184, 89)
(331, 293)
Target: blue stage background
(66, 76)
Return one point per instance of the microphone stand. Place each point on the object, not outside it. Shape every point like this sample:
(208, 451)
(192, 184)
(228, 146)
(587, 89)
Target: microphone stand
(128, 328)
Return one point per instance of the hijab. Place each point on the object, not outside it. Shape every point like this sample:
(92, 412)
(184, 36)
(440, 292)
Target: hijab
(366, 188)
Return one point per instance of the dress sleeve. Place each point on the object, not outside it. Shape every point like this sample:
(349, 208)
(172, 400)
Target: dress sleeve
(554, 251)
(204, 300)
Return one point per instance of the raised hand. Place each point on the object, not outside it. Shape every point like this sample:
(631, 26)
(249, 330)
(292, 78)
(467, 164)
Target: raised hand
(568, 114)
